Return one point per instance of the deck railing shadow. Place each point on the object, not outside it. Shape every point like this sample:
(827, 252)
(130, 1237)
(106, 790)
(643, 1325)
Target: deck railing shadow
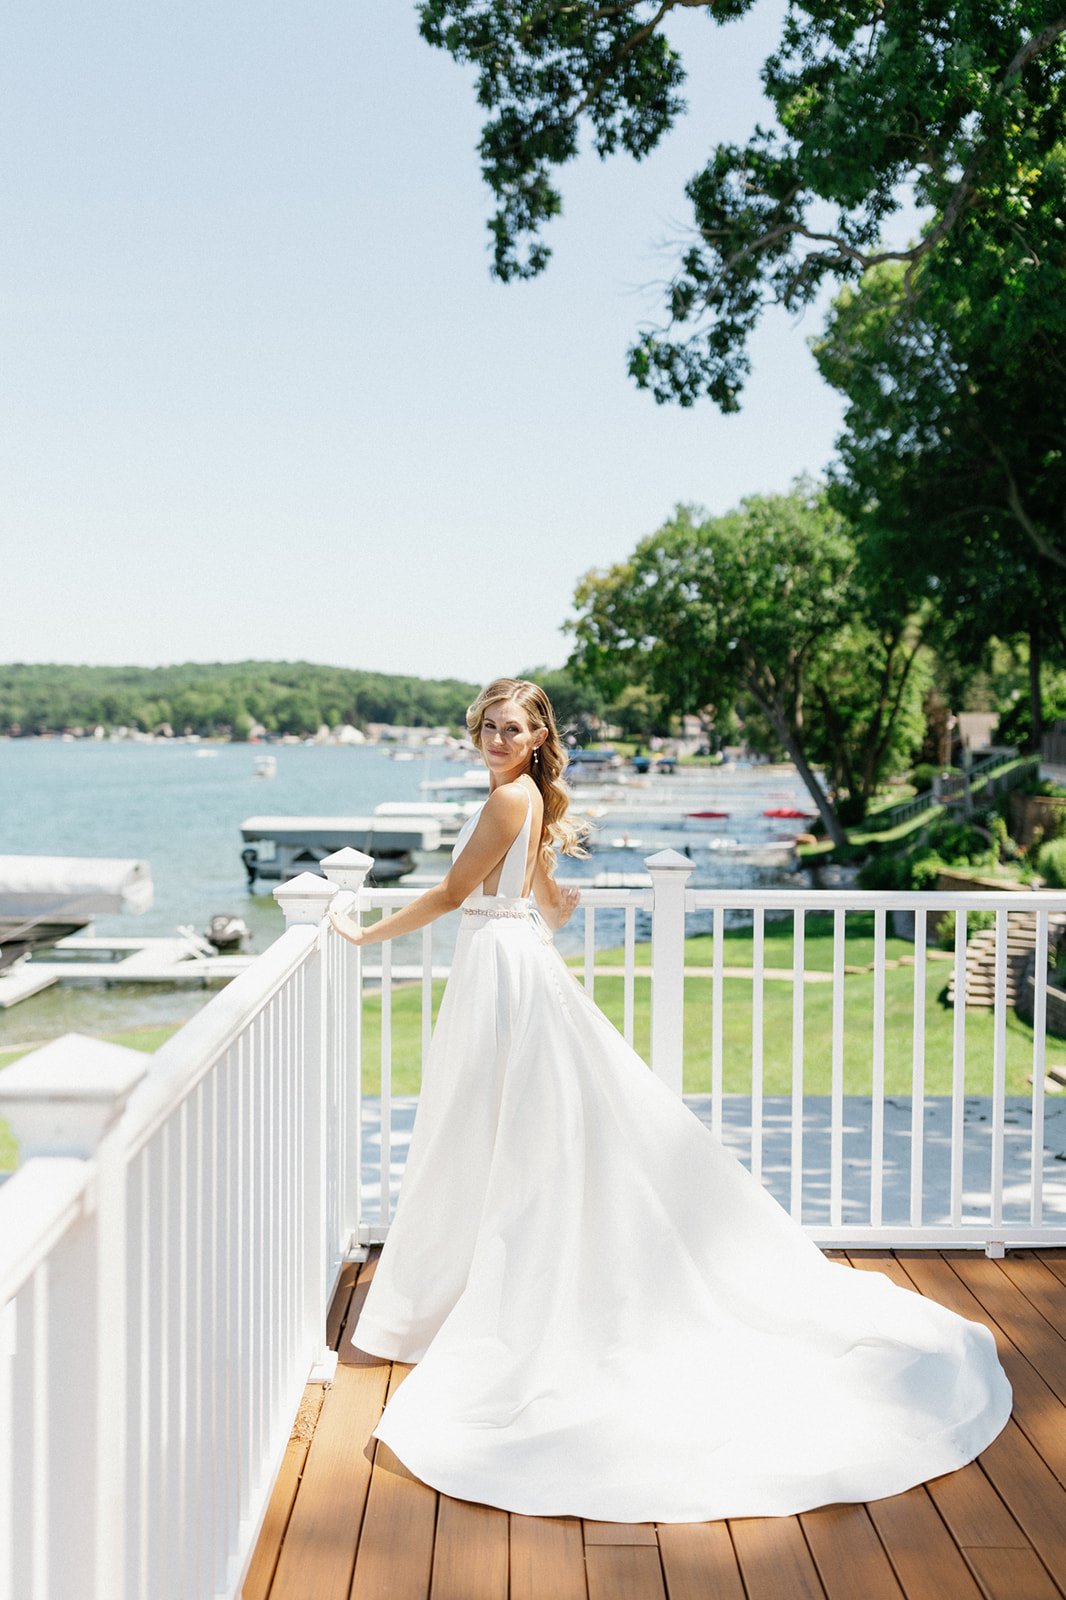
(171, 1239)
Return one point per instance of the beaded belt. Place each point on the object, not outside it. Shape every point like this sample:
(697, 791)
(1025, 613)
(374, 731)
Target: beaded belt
(496, 911)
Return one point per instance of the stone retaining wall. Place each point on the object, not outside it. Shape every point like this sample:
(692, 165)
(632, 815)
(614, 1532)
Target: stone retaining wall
(1029, 812)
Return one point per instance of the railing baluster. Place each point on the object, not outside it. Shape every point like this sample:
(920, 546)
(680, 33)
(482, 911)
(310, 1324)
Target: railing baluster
(40, 1425)
(245, 1265)
(386, 1081)
(918, 1070)
(717, 986)
(427, 990)
(877, 1088)
(211, 1324)
(8, 1330)
(178, 1201)
(590, 951)
(269, 1069)
(836, 1127)
(230, 1134)
(629, 980)
(354, 983)
(757, 993)
(138, 1411)
(1036, 1156)
(194, 1408)
(161, 1344)
(958, 1069)
(999, 1070)
(798, 971)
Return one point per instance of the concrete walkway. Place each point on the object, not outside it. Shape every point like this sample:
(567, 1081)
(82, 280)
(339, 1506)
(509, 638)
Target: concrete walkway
(777, 1136)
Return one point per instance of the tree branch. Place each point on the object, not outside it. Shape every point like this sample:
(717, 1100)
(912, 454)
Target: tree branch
(957, 203)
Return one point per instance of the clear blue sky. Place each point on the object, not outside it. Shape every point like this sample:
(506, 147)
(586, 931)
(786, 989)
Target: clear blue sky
(261, 396)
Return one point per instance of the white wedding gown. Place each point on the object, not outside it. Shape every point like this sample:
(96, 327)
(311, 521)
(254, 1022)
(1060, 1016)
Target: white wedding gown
(610, 1317)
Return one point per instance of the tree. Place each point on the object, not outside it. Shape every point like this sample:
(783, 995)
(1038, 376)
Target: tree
(638, 713)
(764, 602)
(953, 460)
(956, 103)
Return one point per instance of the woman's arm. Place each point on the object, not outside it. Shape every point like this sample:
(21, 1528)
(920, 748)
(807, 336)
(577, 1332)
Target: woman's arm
(497, 828)
(556, 905)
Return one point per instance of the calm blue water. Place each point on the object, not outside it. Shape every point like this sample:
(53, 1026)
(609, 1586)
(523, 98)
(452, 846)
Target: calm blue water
(181, 812)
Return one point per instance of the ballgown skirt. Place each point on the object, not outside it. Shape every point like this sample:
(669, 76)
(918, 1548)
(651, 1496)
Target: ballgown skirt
(610, 1317)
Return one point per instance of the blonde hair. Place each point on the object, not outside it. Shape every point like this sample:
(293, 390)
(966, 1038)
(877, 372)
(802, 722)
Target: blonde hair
(559, 831)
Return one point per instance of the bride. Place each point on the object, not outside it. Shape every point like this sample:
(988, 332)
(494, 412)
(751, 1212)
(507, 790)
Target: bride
(610, 1317)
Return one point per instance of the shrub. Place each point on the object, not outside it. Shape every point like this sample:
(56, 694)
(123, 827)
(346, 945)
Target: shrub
(887, 869)
(925, 869)
(1051, 863)
(976, 922)
(923, 774)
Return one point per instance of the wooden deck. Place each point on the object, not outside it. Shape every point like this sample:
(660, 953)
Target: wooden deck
(344, 1526)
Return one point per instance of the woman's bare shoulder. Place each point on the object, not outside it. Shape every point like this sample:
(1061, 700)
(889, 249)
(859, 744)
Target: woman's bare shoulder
(507, 802)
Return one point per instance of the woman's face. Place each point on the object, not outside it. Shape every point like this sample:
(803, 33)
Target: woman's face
(508, 741)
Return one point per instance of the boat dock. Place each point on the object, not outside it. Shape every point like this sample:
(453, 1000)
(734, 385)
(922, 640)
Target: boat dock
(84, 959)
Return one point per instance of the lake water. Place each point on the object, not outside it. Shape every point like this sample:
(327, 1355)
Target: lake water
(180, 808)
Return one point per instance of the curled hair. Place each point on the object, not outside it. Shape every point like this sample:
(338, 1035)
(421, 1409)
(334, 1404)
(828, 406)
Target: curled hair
(559, 831)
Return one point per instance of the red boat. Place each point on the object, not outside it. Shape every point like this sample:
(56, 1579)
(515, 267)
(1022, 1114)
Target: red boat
(786, 811)
(702, 814)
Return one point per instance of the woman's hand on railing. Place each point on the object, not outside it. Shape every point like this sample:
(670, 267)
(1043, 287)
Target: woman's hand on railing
(561, 908)
(342, 924)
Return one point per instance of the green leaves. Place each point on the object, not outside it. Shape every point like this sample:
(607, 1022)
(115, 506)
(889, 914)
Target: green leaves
(543, 71)
(764, 605)
(954, 101)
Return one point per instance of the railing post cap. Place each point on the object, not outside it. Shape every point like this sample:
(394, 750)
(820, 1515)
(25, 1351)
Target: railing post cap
(304, 899)
(63, 1098)
(347, 868)
(669, 861)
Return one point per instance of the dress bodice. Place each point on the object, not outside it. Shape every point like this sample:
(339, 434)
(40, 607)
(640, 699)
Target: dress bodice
(513, 872)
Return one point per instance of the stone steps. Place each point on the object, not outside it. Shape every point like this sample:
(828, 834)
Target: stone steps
(981, 959)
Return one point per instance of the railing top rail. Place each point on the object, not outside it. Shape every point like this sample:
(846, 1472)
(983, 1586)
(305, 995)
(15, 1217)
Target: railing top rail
(809, 899)
(37, 1206)
(180, 1063)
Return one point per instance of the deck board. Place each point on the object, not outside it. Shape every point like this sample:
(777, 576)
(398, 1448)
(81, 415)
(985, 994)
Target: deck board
(471, 1555)
(848, 1554)
(547, 1558)
(347, 1519)
(395, 1555)
(699, 1561)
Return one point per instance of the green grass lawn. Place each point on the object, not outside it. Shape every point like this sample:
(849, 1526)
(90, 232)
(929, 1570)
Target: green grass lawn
(737, 995)
(777, 1019)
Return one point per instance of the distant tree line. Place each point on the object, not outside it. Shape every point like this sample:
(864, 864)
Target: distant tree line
(221, 698)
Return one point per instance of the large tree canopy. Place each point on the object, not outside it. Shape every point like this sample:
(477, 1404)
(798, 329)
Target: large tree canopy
(766, 605)
(957, 104)
(953, 460)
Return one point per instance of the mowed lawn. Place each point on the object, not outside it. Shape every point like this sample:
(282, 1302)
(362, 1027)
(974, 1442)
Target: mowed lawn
(737, 995)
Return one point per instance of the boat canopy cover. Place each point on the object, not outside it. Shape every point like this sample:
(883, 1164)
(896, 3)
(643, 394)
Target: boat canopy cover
(386, 833)
(73, 885)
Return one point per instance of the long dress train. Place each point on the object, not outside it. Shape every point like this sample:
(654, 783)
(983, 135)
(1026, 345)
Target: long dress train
(610, 1317)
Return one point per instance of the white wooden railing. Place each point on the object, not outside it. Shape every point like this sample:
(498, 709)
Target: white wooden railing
(172, 1237)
